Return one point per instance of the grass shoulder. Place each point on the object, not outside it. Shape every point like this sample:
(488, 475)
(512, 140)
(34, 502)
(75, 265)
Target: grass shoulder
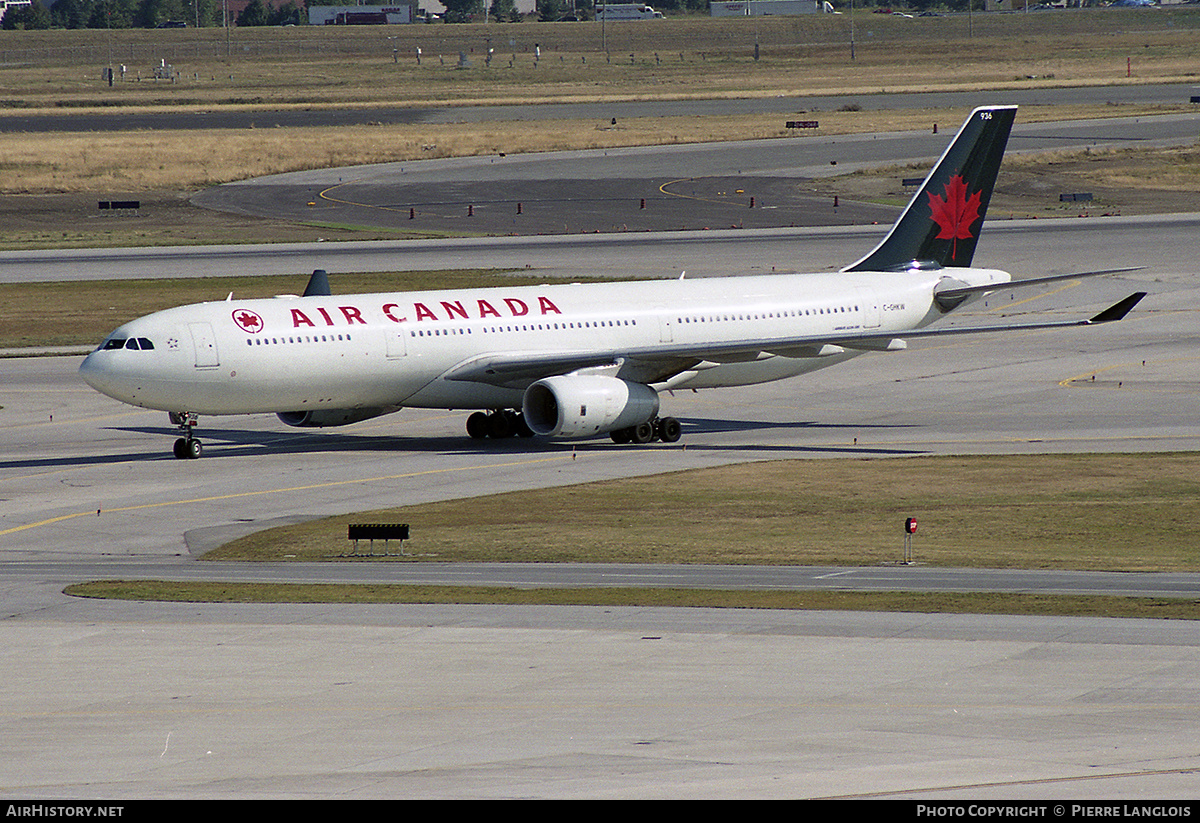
(919, 602)
(1112, 512)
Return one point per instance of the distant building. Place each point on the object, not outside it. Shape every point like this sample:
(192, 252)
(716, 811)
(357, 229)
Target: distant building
(5, 5)
(764, 8)
(362, 15)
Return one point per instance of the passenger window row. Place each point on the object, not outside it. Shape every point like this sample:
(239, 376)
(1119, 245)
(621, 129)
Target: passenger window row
(308, 338)
(766, 315)
(590, 324)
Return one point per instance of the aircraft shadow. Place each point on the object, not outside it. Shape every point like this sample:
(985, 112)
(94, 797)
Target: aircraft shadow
(699, 425)
(226, 443)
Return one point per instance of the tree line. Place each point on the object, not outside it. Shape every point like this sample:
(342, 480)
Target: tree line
(145, 14)
(127, 14)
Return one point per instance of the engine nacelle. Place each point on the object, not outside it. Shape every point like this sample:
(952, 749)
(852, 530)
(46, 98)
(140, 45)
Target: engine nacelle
(332, 417)
(582, 405)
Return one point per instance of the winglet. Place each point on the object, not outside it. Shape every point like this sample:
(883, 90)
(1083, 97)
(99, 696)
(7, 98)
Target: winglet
(1117, 311)
(318, 284)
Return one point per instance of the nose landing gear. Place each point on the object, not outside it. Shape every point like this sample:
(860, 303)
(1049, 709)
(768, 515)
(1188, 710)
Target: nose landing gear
(186, 447)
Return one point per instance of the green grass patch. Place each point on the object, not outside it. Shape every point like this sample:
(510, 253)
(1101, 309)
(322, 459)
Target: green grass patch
(1138, 512)
(920, 602)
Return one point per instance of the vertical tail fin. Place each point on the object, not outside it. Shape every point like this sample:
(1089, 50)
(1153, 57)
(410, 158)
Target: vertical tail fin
(940, 225)
(318, 284)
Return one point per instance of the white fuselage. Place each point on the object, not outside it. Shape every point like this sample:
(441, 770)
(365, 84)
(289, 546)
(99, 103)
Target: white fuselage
(296, 354)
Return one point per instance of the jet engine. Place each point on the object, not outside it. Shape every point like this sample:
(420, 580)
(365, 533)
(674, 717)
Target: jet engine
(581, 405)
(332, 417)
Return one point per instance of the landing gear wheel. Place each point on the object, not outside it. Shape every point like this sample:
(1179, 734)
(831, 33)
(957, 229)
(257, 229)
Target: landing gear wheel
(186, 447)
(666, 429)
(477, 425)
(522, 427)
(642, 433)
(500, 426)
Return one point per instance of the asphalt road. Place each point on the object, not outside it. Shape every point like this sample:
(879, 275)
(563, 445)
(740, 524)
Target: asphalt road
(740, 184)
(784, 106)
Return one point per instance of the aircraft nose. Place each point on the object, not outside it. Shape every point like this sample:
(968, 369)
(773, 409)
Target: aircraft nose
(92, 373)
(97, 370)
(129, 366)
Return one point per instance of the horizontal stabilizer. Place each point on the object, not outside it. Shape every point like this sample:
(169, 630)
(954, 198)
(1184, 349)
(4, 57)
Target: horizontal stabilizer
(950, 294)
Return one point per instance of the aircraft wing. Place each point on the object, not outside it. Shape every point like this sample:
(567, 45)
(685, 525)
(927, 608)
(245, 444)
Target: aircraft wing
(659, 362)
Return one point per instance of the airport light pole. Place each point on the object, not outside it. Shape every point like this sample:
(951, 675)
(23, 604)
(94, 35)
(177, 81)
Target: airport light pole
(852, 30)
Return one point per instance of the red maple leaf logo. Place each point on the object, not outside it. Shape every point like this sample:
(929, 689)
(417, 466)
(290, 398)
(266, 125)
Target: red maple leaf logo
(248, 321)
(955, 213)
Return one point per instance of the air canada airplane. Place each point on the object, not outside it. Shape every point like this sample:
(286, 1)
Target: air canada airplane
(570, 361)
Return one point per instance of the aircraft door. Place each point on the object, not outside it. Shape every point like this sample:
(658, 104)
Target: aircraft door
(870, 309)
(666, 333)
(396, 345)
(205, 344)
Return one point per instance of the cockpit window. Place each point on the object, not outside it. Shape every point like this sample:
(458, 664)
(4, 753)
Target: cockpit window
(132, 343)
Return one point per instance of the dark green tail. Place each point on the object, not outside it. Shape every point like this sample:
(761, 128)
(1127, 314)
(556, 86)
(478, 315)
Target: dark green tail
(940, 225)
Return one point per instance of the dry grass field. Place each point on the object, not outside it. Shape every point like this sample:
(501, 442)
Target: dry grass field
(195, 159)
(268, 69)
(691, 57)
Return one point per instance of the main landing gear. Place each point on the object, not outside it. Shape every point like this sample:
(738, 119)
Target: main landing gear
(498, 425)
(505, 423)
(666, 429)
(186, 447)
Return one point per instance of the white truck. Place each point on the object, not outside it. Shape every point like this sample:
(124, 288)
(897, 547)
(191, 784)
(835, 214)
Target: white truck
(627, 11)
(765, 8)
